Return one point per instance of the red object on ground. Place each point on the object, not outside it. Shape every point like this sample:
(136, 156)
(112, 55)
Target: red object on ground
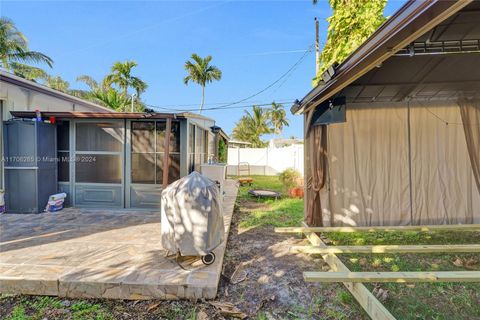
(243, 181)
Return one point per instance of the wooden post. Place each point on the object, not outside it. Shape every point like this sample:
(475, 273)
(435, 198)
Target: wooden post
(388, 249)
(426, 228)
(166, 154)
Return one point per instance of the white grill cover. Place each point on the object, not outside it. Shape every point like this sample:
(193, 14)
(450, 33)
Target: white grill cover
(191, 216)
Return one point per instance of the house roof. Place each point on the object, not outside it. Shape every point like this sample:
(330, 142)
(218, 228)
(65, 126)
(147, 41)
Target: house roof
(106, 115)
(411, 22)
(28, 84)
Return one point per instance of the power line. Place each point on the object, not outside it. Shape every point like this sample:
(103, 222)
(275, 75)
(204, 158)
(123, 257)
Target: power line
(233, 107)
(228, 105)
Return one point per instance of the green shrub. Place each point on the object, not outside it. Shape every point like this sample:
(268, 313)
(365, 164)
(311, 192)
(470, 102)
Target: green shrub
(289, 178)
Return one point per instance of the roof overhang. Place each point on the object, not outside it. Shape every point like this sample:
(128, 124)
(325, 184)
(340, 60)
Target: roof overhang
(97, 115)
(409, 23)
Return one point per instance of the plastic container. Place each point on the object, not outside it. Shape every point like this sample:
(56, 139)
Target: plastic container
(54, 205)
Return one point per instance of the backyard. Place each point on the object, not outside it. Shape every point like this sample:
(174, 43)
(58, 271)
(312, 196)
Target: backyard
(262, 278)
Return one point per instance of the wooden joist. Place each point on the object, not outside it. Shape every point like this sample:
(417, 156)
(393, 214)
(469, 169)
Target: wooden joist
(374, 308)
(450, 227)
(399, 277)
(387, 249)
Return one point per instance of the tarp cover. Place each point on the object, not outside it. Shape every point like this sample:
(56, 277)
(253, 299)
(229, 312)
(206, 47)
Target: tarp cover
(191, 216)
(400, 164)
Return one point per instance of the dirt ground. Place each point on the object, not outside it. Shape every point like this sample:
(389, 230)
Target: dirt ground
(261, 280)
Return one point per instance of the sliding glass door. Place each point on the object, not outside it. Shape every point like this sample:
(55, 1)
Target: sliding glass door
(145, 162)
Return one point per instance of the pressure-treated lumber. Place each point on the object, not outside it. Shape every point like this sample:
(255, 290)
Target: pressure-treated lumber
(450, 227)
(388, 249)
(399, 277)
(374, 308)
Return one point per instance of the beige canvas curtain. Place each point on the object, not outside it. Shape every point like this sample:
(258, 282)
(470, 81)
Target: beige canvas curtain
(316, 142)
(470, 112)
(401, 164)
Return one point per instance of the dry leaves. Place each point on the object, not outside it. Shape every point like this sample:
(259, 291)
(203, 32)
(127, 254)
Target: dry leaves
(228, 309)
(202, 315)
(471, 263)
(153, 306)
(380, 293)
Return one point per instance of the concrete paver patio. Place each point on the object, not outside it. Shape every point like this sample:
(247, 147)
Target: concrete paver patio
(101, 254)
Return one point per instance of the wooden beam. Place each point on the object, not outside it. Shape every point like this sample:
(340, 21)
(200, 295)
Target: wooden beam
(398, 277)
(374, 308)
(450, 227)
(388, 249)
(166, 154)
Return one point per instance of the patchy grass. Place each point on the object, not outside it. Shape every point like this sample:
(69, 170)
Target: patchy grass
(422, 300)
(283, 212)
(44, 307)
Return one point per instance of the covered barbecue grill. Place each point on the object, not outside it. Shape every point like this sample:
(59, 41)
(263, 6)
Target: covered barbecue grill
(192, 217)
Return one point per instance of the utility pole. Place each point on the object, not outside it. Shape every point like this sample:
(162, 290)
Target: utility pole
(317, 47)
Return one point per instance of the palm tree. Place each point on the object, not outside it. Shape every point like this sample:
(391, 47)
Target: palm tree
(252, 126)
(57, 83)
(102, 93)
(201, 72)
(14, 48)
(278, 117)
(28, 72)
(121, 75)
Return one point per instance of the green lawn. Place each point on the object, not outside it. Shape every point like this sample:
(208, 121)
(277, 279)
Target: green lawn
(422, 300)
(404, 301)
(282, 212)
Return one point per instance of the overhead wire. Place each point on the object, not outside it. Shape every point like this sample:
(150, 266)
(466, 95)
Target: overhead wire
(229, 105)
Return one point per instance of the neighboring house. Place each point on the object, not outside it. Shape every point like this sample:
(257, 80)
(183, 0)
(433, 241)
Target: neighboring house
(239, 144)
(281, 142)
(109, 159)
(393, 133)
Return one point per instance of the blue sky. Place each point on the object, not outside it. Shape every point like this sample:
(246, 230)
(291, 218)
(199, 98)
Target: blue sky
(247, 40)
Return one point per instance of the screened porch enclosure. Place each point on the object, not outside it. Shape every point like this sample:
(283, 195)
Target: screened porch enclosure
(125, 163)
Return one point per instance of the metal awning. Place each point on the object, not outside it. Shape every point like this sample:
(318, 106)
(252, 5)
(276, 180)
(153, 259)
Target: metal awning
(374, 73)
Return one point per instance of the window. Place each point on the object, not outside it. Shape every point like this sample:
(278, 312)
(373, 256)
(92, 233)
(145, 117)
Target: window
(99, 150)
(148, 151)
(98, 168)
(63, 150)
(99, 137)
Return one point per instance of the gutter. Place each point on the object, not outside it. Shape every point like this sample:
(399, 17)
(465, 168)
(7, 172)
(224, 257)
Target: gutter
(409, 23)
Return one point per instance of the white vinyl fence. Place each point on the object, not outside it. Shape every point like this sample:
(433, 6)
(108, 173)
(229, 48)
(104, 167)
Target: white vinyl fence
(266, 161)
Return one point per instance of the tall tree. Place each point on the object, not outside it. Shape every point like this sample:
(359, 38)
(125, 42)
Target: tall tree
(102, 93)
(252, 126)
(121, 75)
(28, 72)
(278, 117)
(201, 72)
(14, 51)
(351, 23)
(57, 83)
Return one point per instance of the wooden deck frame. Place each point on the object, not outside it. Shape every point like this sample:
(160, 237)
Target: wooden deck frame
(398, 277)
(388, 249)
(374, 308)
(427, 228)
(353, 281)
